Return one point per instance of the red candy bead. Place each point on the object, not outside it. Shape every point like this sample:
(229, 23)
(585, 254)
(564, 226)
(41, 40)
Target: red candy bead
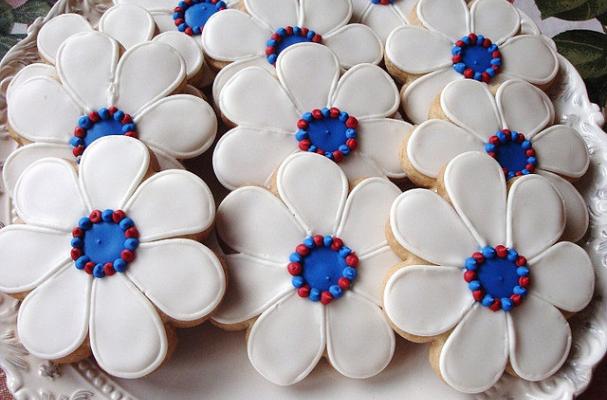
(326, 297)
(75, 253)
(352, 144)
(478, 257)
(501, 251)
(302, 124)
(344, 283)
(317, 114)
(95, 216)
(79, 132)
(108, 269)
(478, 295)
(338, 156)
(469, 73)
(523, 281)
(118, 216)
(294, 268)
(521, 261)
(304, 291)
(469, 275)
(132, 232)
(302, 250)
(127, 255)
(334, 112)
(88, 267)
(352, 260)
(496, 305)
(77, 232)
(351, 123)
(336, 244)
(318, 240)
(516, 299)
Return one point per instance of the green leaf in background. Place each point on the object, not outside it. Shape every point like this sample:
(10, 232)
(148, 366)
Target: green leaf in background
(6, 42)
(31, 10)
(550, 8)
(597, 90)
(587, 51)
(6, 18)
(591, 9)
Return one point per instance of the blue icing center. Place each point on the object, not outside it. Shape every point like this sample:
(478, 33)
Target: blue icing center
(198, 14)
(322, 268)
(498, 276)
(327, 134)
(102, 128)
(103, 242)
(511, 156)
(476, 57)
(289, 41)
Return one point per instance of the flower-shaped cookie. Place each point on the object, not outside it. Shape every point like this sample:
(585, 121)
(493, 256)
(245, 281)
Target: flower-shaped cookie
(309, 109)
(482, 43)
(268, 27)
(383, 16)
(99, 259)
(500, 277)
(308, 272)
(96, 92)
(514, 127)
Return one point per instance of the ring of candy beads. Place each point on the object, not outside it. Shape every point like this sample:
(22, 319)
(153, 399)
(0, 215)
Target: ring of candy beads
(127, 254)
(476, 42)
(296, 268)
(87, 122)
(506, 137)
(474, 264)
(382, 2)
(295, 34)
(179, 15)
(350, 123)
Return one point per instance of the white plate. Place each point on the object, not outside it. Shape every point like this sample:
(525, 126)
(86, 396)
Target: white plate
(210, 363)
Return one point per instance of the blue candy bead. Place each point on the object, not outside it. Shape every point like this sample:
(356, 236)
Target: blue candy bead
(131, 244)
(488, 252)
(520, 290)
(120, 265)
(118, 115)
(336, 291)
(298, 281)
(474, 285)
(349, 273)
(77, 242)
(307, 117)
(470, 263)
(344, 251)
(84, 122)
(98, 271)
(81, 262)
(76, 141)
(104, 113)
(301, 135)
(459, 67)
(522, 271)
(106, 215)
(85, 223)
(126, 223)
(309, 242)
(507, 304)
(295, 257)
(487, 300)
(272, 58)
(314, 294)
(327, 240)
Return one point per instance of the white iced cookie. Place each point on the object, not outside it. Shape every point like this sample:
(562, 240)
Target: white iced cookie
(96, 91)
(383, 16)
(491, 300)
(102, 259)
(308, 270)
(484, 41)
(514, 126)
(308, 105)
(268, 27)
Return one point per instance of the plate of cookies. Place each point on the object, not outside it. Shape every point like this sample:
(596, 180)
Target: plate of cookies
(298, 199)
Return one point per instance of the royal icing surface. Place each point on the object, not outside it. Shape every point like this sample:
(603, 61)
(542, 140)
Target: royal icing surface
(498, 281)
(513, 127)
(479, 43)
(97, 93)
(309, 266)
(103, 239)
(383, 16)
(269, 27)
(315, 110)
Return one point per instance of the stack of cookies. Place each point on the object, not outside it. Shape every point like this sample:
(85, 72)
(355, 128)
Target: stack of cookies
(318, 113)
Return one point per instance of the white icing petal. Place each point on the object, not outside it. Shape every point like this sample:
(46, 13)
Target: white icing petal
(418, 96)
(147, 72)
(358, 166)
(182, 125)
(308, 87)
(446, 241)
(26, 155)
(128, 24)
(528, 26)
(287, 340)
(231, 35)
(562, 150)
(368, 46)
(248, 220)
(316, 199)
(30, 71)
(182, 277)
(497, 20)
(483, 118)
(249, 156)
(366, 91)
(85, 64)
(166, 162)
(187, 47)
(383, 20)
(111, 169)
(128, 338)
(53, 319)
(516, 53)
(405, 7)
(171, 203)
(164, 19)
(254, 285)
(476, 187)
(325, 16)
(563, 276)
(575, 207)
(47, 194)
(359, 7)
(426, 300)
(481, 339)
(274, 13)
(380, 139)
(58, 30)
(537, 324)
(436, 142)
(29, 255)
(366, 213)
(360, 343)
(533, 202)
(230, 70)
(402, 49)
(150, 5)
(451, 18)
(56, 114)
(373, 269)
(254, 97)
(525, 108)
